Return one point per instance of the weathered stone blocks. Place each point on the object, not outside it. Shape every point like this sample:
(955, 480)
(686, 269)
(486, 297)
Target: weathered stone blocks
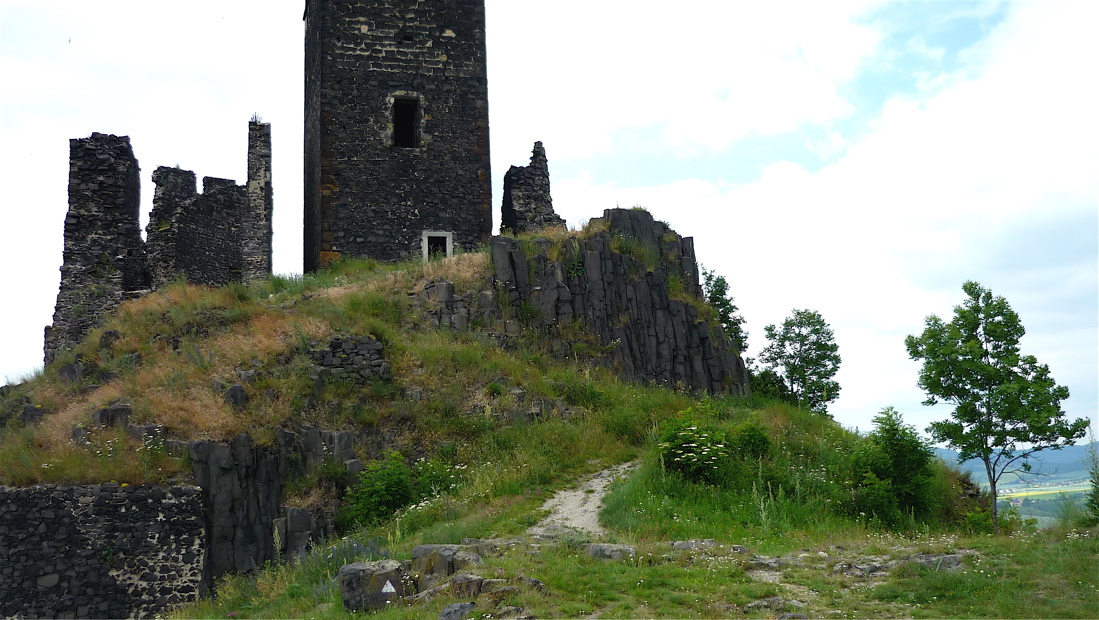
(99, 551)
(527, 205)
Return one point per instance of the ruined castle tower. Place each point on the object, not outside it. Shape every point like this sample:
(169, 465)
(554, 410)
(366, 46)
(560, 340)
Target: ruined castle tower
(103, 257)
(220, 236)
(396, 129)
(527, 205)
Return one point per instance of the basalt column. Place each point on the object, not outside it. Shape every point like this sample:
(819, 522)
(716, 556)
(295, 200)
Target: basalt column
(396, 129)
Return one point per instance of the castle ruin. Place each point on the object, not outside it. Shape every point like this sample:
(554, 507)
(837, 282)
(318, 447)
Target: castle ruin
(528, 205)
(219, 236)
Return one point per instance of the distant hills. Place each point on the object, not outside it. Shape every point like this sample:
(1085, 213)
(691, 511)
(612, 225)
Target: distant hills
(1064, 463)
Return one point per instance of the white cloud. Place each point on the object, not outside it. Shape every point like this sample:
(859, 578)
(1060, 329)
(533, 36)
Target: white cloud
(707, 73)
(934, 182)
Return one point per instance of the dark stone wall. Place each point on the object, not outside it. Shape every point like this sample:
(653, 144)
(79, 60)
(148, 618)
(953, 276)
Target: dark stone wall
(624, 298)
(99, 551)
(527, 205)
(199, 235)
(103, 257)
(364, 196)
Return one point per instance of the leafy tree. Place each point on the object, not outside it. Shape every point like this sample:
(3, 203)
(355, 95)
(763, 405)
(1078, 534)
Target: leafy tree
(717, 295)
(1006, 406)
(804, 352)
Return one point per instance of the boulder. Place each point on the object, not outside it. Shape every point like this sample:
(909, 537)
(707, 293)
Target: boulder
(466, 585)
(681, 545)
(938, 561)
(456, 611)
(604, 551)
(115, 416)
(373, 585)
(432, 563)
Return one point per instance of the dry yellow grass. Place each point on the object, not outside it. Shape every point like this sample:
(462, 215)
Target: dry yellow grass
(55, 430)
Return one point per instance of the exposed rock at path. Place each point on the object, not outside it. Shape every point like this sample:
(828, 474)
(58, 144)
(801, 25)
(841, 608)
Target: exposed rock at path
(602, 551)
(433, 563)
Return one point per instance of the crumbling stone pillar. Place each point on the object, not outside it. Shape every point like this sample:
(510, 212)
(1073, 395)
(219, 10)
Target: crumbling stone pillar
(527, 203)
(256, 225)
(103, 256)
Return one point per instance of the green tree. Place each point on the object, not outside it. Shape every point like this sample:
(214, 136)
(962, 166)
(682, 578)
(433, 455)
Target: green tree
(717, 295)
(805, 354)
(1006, 405)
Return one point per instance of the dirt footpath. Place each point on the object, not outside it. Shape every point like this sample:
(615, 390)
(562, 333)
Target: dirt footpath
(578, 509)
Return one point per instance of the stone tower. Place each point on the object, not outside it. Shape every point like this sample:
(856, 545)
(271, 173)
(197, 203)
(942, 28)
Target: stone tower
(396, 129)
(104, 258)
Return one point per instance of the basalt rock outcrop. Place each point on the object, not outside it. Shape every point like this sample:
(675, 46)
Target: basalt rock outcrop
(632, 287)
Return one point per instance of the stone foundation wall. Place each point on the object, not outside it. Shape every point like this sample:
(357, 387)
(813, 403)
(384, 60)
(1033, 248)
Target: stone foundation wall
(99, 551)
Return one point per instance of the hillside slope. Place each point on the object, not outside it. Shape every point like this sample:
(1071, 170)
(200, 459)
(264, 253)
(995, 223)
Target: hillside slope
(469, 431)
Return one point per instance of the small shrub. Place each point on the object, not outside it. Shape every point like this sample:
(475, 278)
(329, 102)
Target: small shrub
(698, 452)
(384, 487)
(432, 477)
(893, 460)
(750, 441)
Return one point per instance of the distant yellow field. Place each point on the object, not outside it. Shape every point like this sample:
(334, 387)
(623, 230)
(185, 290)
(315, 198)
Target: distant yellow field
(1044, 491)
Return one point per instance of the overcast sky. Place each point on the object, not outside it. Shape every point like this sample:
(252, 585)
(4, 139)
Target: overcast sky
(859, 159)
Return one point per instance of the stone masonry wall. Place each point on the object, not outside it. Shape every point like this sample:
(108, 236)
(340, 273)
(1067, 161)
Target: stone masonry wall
(103, 257)
(365, 195)
(199, 235)
(527, 203)
(625, 300)
(99, 551)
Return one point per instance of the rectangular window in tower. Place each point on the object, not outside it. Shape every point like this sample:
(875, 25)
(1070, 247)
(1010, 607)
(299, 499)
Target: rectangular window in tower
(406, 123)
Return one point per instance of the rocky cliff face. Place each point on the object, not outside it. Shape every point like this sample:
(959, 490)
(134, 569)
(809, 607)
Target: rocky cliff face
(635, 287)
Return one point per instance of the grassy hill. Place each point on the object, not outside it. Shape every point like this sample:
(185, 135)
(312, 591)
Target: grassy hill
(483, 428)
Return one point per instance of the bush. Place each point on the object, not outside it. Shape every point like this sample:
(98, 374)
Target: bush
(767, 383)
(698, 452)
(751, 442)
(892, 471)
(384, 487)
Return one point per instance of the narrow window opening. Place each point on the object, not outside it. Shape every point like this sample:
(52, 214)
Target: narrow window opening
(406, 113)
